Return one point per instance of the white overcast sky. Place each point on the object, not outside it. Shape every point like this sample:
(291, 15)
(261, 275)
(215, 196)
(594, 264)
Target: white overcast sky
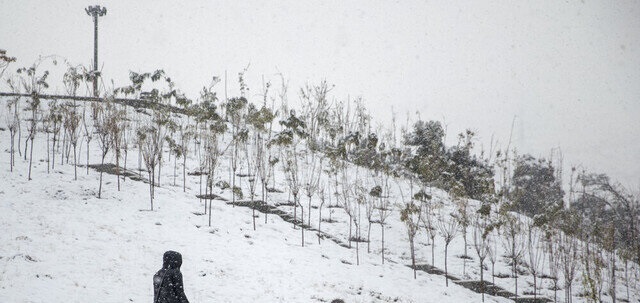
(569, 71)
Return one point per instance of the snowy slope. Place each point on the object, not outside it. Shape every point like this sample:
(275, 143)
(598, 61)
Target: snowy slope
(59, 243)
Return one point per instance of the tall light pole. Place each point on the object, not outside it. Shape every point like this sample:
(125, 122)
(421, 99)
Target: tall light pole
(95, 11)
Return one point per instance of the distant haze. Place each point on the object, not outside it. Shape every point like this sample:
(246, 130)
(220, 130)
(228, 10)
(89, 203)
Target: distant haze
(569, 71)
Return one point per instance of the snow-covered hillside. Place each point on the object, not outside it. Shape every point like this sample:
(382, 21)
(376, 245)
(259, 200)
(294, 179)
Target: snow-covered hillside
(60, 243)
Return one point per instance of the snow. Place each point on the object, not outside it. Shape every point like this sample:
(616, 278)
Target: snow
(60, 243)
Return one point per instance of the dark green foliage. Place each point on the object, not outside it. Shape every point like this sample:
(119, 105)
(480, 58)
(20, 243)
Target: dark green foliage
(222, 184)
(535, 188)
(430, 159)
(218, 127)
(602, 204)
(235, 107)
(422, 196)
(376, 191)
(456, 167)
(293, 125)
(484, 210)
(237, 192)
(259, 118)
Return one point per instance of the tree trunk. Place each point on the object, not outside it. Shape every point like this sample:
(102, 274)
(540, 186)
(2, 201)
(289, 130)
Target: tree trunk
(446, 272)
(535, 288)
(159, 167)
(369, 238)
(233, 189)
(309, 212)
(626, 276)
(64, 143)
(493, 275)
(206, 193)
(19, 133)
(253, 212)
(53, 152)
(88, 141)
(413, 257)
(11, 157)
(464, 260)
(302, 222)
(264, 199)
(350, 222)
(151, 189)
(101, 168)
(382, 230)
(433, 247)
(48, 155)
(482, 279)
(118, 167)
(295, 210)
(205, 206)
(30, 156)
(139, 161)
(515, 274)
(184, 173)
(26, 144)
(75, 164)
(319, 222)
(126, 153)
(613, 276)
(357, 250)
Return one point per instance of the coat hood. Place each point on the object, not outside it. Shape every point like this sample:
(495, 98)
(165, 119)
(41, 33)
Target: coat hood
(172, 260)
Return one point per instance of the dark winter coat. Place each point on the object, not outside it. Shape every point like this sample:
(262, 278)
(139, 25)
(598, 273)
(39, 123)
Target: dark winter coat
(167, 282)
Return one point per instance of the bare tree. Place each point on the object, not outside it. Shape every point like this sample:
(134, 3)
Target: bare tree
(33, 84)
(429, 209)
(235, 109)
(344, 197)
(88, 131)
(55, 117)
(370, 205)
(448, 229)
(254, 156)
(462, 215)
(14, 85)
(5, 60)
(535, 249)
(481, 230)
(569, 257)
(107, 128)
(411, 215)
(553, 250)
(323, 188)
(118, 126)
(72, 126)
(513, 244)
(13, 121)
(213, 153)
(292, 172)
(186, 134)
(34, 107)
(150, 140)
(312, 173)
(360, 194)
(492, 252)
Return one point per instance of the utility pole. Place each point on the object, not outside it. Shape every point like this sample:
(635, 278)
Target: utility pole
(95, 11)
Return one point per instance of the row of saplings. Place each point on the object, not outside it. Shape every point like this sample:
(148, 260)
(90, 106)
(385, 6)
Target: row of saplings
(254, 144)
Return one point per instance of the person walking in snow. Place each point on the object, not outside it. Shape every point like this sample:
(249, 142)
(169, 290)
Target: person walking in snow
(167, 282)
